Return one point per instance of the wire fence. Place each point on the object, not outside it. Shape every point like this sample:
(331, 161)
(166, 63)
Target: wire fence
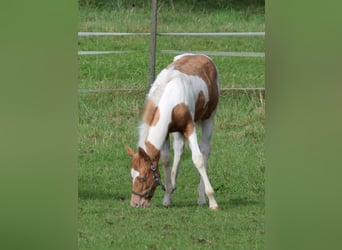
(260, 91)
(210, 53)
(172, 34)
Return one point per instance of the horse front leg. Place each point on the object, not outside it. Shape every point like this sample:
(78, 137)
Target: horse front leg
(165, 161)
(178, 149)
(171, 175)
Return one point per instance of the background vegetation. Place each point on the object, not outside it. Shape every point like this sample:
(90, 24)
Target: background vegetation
(179, 4)
(108, 121)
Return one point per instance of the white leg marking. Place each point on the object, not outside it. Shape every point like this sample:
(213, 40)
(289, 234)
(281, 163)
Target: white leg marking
(198, 160)
(207, 128)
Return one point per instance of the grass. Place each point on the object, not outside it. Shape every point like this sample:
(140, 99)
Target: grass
(236, 169)
(108, 121)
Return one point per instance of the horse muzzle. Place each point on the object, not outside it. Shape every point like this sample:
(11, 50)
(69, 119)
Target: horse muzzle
(140, 202)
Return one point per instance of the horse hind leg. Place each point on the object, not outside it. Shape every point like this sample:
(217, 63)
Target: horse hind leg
(207, 128)
(200, 160)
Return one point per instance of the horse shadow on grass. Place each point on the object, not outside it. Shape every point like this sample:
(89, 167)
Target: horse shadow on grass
(100, 195)
(225, 204)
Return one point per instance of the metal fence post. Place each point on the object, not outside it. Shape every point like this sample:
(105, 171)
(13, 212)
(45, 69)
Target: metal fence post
(153, 41)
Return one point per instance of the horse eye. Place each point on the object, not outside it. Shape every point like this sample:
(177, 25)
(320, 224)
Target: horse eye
(142, 179)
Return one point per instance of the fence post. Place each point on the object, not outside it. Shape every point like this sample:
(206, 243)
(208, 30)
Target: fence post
(153, 41)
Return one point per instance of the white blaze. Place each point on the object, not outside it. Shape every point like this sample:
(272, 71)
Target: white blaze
(134, 174)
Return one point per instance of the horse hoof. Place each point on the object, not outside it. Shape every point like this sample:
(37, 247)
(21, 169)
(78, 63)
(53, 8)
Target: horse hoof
(201, 203)
(214, 208)
(167, 203)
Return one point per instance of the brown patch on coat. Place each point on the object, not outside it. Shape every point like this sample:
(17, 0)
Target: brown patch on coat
(151, 113)
(203, 67)
(200, 107)
(153, 152)
(181, 120)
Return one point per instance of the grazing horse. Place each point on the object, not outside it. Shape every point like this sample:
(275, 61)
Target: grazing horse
(185, 92)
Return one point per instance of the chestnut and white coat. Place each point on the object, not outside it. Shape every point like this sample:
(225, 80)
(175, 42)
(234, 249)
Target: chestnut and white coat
(185, 92)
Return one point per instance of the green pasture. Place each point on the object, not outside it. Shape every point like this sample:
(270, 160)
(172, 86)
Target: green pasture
(108, 121)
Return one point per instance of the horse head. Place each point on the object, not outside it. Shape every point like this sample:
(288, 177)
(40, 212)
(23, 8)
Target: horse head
(145, 178)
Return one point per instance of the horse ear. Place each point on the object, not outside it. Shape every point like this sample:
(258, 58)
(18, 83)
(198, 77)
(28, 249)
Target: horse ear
(129, 151)
(143, 154)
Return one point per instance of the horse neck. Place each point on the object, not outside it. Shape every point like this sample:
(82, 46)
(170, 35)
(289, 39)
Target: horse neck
(154, 134)
(143, 133)
(151, 141)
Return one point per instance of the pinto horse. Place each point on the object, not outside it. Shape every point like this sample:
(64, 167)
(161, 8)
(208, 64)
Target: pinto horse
(185, 92)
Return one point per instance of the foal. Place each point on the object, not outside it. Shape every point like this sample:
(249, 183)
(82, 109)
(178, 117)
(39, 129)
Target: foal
(187, 91)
